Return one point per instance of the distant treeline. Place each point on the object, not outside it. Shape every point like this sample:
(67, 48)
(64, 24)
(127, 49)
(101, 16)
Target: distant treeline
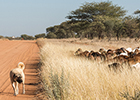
(25, 37)
(100, 20)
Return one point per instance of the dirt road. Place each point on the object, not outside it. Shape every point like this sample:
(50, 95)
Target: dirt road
(12, 52)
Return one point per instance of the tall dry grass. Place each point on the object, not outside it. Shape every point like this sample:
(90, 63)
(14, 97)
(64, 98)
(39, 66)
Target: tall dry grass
(68, 77)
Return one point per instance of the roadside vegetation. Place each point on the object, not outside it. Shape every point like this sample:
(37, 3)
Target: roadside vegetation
(24, 37)
(68, 77)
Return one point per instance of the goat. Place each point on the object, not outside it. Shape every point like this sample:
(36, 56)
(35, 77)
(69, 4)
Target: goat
(97, 56)
(115, 66)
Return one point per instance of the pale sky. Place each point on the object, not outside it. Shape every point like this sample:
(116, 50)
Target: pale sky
(32, 17)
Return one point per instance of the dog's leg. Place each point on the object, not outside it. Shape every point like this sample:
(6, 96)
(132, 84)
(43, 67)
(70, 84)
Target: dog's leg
(17, 90)
(13, 85)
(23, 87)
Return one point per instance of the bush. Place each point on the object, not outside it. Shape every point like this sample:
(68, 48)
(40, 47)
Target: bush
(27, 37)
(1, 37)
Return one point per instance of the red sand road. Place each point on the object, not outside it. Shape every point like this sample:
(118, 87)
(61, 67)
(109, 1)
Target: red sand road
(12, 52)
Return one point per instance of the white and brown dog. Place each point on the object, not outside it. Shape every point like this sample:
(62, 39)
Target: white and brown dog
(17, 76)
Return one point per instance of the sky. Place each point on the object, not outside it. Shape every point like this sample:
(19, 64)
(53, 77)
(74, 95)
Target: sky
(32, 17)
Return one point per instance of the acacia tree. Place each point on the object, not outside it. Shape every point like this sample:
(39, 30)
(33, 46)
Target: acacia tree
(89, 12)
(80, 27)
(138, 18)
(118, 29)
(138, 21)
(60, 31)
(67, 28)
(130, 27)
(86, 11)
(109, 24)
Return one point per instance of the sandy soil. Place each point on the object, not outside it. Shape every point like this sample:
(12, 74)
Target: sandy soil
(12, 52)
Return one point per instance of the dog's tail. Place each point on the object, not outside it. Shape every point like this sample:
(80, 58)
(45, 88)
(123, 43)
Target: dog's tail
(21, 65)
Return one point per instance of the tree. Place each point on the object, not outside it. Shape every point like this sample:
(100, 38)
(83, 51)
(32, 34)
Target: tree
(130, 27)
(109, 24)
(80, 28)
(137, 12)
(138, 18)
(95, 19)
(98, 26)
(51, 35)
(61, 31)
(52, 29)
(40, 35)
(67, 28)
(27, 37)
(86, 11)
(118, 29)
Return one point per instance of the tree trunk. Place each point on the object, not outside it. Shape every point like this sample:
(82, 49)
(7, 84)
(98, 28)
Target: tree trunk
(117, 36)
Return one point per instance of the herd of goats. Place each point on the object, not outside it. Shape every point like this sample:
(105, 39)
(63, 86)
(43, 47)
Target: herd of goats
(118, 57)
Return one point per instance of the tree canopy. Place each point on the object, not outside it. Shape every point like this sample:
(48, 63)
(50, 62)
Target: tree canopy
(88, 10)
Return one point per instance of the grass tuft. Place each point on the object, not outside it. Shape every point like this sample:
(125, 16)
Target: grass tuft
(128, 96)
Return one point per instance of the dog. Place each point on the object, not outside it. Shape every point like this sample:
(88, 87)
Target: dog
(17, 77)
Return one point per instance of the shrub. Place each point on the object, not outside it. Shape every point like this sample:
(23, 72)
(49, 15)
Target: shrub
(27, 37)
(1, 37)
